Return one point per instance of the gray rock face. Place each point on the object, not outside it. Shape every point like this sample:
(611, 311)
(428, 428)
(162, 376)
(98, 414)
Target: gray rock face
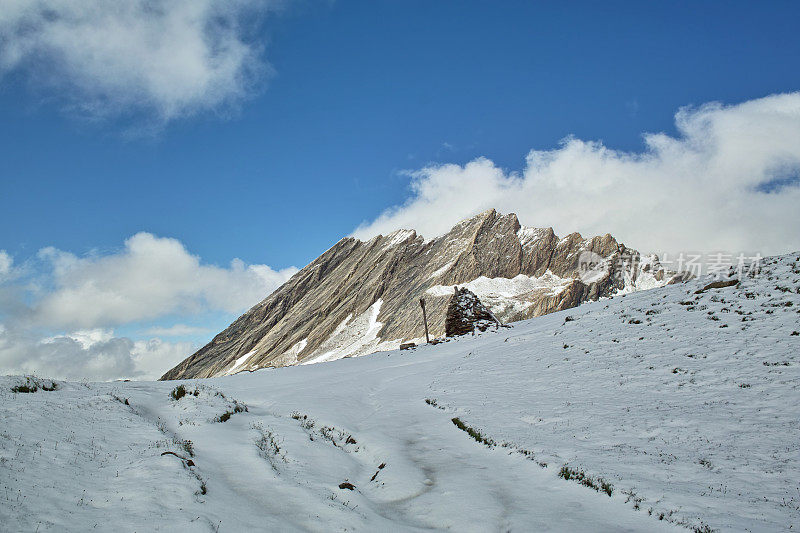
(360, 296)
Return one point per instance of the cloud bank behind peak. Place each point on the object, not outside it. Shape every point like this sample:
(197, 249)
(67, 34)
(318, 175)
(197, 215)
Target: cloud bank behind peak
(59, 311)
(150, 277)
(729, 181)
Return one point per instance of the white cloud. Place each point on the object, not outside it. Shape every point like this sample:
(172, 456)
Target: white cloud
(94, 354)
(58, 321)
(6, 262)
(149, 278)
(153, 357)
(86, 337)
(178, 330)
(167, 57)
(728, 181)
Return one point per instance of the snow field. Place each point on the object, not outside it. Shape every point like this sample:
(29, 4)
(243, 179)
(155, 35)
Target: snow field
(687, 404)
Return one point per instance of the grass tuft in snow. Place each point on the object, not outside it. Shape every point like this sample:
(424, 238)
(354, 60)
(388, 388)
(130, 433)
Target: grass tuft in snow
(472, 432)
(305, 422)
(598, 484)
(268, 446)
(238, 407)
(339, 438)
(33, 384)
(186, 445)
(433, 403)
(631, 496)
(180, 391)
(120, 399)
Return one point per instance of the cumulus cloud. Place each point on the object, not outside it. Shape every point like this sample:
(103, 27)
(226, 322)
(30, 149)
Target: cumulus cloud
(177, 330)
(95, 355)
(168, 57)
(149, 278)
(730, 180)
(64, 357)
(58, 320)
(6, 262)
(153, 357)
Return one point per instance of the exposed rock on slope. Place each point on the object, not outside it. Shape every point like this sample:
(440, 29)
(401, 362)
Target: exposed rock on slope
(466, 313)
(360, 297)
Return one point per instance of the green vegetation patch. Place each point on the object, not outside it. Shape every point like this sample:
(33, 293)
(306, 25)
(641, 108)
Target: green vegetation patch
(599, 484)
(472, 432)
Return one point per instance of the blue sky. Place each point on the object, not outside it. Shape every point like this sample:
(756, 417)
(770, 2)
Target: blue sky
(351, 103)
(362, 90)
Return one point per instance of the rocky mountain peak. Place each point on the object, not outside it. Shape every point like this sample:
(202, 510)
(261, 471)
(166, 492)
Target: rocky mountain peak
(363, 296)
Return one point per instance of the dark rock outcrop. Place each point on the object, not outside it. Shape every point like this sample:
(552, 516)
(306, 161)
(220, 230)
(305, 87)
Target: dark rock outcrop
(718, 285)
(466, 313)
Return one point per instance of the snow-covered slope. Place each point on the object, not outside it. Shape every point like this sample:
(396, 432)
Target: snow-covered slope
(687, 404)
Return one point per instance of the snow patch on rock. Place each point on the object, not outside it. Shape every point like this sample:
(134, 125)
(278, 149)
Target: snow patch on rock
(398, 237)
(528, 234)
(441, 270)
(237, 365)
(354, 337)
(505, 287)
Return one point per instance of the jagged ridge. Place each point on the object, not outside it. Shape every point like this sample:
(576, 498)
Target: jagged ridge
(359, 296)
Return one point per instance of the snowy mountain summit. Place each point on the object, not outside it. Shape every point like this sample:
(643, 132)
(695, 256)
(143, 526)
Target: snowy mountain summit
(362, 297)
